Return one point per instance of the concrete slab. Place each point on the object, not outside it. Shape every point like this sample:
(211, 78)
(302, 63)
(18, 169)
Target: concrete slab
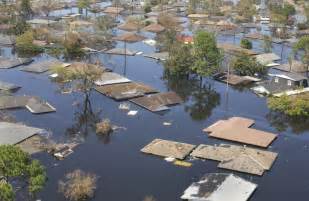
(111, 78)
(166, 148)
(124, 91)
(219, 187)
(11, 133)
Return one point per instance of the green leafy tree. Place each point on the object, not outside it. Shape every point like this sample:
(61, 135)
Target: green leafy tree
(16, 164)
(244, 65)
(245, 43)
(24, 44)
(6, 192)
(84, 4)
(25, 9)
(267, 44)
(246, 9)
(292, 106)
(207, 56)
(303, 45)
(180, 60)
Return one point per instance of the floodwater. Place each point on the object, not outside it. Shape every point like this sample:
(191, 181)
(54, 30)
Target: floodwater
(127, 174)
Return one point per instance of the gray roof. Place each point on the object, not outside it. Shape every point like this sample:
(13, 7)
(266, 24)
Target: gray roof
(289, 76)
(12, 133)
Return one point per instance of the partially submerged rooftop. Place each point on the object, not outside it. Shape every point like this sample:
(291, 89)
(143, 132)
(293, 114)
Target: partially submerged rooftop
(219, 187)
(121, 51)
(34, 104)
(6, 63)
(166, 148)
(238, 129)
(111, 78)
(238, 158)
(43, 66)
(12, 133)
(124, 91)
(158, 102)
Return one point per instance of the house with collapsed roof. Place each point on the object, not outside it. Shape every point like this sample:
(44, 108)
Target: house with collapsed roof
(281, 82)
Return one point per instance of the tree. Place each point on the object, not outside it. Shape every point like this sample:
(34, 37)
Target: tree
(81, 76)
(245, 65)
(25, 9)
(180, 60)
(292, 106)
(24, 44)
(303, 45)
(207, 56)
(267, 44)
(16, 164)
(245, 43)
(78, 185)
(246, 9)
(47, 6)
(84, 4)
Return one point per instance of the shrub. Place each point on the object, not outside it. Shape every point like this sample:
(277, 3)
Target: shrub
(78, 185)
(245, 43)
(104, 127)
(292, 106)
(73, 46)
(24, 43)
(245, 65)
(147, 9)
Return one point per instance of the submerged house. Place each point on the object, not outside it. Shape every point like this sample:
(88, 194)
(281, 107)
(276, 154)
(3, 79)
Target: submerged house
(282, 82)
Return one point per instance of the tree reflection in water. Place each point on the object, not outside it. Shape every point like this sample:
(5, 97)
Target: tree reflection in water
(85, 121)
(282, 123)
(199, 100)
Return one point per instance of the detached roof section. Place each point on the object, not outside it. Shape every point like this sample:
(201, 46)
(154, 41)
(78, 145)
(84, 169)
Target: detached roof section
(158, 102)
(237, 129)
(111, 78)
(6, 63)
(166, 148)
(220, 187)
(11, 133)
(125, 91)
